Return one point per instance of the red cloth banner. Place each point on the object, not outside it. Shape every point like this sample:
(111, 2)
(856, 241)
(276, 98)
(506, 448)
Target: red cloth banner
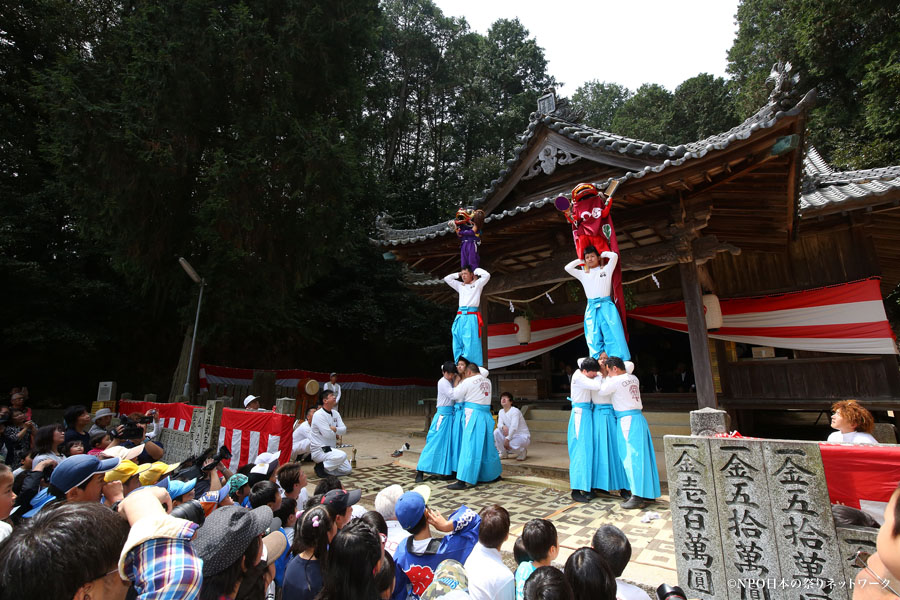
(845, 318)
(174, 416)
(862, 476)
(247, 434)
(546, 334)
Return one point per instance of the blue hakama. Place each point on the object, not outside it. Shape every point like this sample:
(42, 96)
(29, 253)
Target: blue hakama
(638, 456)
(603, 329)
(608, 472)
(466, 338)
(437, 455)
(478, 458)
(456, 434)
(581, 447)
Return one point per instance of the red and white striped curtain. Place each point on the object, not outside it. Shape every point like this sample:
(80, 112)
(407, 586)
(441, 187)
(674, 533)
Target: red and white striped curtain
(248, 434)
(845, 318)
(546, 334)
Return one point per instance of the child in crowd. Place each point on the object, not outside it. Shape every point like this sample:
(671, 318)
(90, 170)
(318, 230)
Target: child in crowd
(385, 579)
(519, 552)
(421, 554)
(287, 514)
(548, 583)
(304, 572)
(590, 576)
(99, 443)
(7, 500)
(541, 544)
(354, 558)
(613, 545)
(489, 579)
(73, 448)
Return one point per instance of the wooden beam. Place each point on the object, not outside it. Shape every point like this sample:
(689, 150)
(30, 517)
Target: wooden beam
(693, 305)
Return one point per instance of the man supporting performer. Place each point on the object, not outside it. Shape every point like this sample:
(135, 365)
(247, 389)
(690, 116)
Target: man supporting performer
(635, 443)
(467, 325)
(478, 460)
(323, 431)
(603, 329)
(441, 445)
(581, 429)
(511, 435)
(607, 472)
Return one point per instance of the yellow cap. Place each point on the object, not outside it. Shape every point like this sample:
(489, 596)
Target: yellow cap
(157, 471)
(125, 471)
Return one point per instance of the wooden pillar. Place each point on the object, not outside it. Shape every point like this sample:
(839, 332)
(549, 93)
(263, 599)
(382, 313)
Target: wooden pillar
(696, 320)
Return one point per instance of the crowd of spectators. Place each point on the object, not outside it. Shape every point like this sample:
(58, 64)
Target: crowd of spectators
(117, 522)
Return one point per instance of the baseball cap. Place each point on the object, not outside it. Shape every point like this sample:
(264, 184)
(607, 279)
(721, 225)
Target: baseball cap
(226, 533)
(450, 582)
(237, 481)
(275, 544)
(250, 399)
(263, 463)
(103, 412)
(216, 496)
(341, 499)
(411, 506)
(179, 488)
(122, 452)
(156, 471)
(333, 375)
(38, 502)
(77, 469)
(125, 471)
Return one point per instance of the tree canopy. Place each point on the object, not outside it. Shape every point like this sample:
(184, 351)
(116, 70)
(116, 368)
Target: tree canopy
(260, 140)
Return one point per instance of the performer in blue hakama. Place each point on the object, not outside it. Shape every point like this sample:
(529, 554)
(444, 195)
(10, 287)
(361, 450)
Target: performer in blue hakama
(607, 473)
(581, 429)
(441, 445)
(635, 442)
(603, 329)
(467, 326)
(478, 459)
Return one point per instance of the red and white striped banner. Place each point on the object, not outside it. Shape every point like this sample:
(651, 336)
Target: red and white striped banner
(248, 434)
(546, 334)
(862, 476)
(174, 416)
(214, 374)
(845, 318)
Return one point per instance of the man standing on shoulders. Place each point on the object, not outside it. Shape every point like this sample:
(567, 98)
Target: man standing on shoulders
(467, 326)
(326, 425)
(439, 455)
(635, 443)
(333, 386)
(478, 459)
(603, 330)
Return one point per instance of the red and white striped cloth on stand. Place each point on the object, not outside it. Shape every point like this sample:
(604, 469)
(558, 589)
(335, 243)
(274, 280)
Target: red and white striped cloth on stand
(248, 434)
(848, 317)
(174, 416)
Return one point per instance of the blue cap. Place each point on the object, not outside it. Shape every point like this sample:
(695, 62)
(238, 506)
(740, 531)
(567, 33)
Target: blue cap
(215, 496)
(38, 502)
(178, 488)
(77, 469)
(409, 509)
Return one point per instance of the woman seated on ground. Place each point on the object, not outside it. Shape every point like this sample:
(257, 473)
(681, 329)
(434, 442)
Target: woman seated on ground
(854, 423)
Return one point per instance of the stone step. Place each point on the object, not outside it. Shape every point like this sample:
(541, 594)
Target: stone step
(544, 414)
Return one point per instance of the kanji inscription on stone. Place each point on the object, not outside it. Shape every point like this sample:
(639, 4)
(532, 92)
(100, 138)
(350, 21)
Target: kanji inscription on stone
(695, 520)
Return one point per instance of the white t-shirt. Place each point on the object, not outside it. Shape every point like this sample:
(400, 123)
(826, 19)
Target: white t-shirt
(475, 389)
(320, 433)
(469, 293)
(489, 578)
(854, 437)
(583, 387)
(301, 433)
(598, 282)
(514, 422)
(334, 387)
(627, 591)
(396, 535)
(625, 391)
(444, 392)
(5, 530)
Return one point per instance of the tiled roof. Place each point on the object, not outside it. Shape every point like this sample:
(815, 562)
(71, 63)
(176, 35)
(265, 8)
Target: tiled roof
(827, 187)
(765, 118)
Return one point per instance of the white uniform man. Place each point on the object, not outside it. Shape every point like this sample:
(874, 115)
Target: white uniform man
(478, 459)
(326, 425)
(300, 445)
(512, 434)
(635, 442)
(333, 386)
(467, 326)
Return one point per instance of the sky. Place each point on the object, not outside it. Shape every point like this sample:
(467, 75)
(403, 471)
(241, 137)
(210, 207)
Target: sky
(630, 43)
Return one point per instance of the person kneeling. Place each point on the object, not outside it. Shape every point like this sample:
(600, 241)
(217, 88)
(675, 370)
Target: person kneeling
(323, 431)
(512, 434)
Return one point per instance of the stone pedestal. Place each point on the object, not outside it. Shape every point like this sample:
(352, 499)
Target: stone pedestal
(286, 406)
(708, 422)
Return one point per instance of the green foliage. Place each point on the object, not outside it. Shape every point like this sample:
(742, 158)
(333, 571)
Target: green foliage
(600, 101)
(647, 115)
(847, 51)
